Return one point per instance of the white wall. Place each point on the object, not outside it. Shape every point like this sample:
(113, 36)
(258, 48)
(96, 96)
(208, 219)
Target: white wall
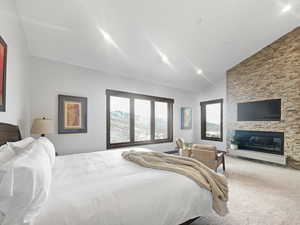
(17, 91)
(216, 91)
(51, 78)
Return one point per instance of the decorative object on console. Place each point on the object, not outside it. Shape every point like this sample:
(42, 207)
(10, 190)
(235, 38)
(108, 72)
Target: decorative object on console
(72, 114)
(186, 118)
(3, 60)
(234, 141)
(42, 126)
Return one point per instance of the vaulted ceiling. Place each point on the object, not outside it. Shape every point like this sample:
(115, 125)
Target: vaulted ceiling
(183, 44)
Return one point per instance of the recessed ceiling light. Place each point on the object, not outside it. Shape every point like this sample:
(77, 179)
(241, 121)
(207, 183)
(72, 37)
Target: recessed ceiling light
(107, 37)
(286, 8)
(165, 58)
(199, 71)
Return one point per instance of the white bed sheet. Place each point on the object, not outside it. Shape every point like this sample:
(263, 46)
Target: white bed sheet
(102, 188)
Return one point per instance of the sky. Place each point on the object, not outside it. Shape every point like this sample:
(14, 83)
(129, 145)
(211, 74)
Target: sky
(213, 113)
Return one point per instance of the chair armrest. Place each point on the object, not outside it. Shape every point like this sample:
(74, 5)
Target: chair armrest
(185, 152)
(220, 154)
(204, 147)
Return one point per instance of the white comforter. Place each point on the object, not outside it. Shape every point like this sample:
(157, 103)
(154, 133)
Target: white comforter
(102, 188)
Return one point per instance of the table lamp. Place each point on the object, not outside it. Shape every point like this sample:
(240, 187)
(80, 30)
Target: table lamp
(42, 126)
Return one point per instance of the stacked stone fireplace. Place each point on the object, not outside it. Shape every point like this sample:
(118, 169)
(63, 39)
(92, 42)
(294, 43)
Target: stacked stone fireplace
(272, 73)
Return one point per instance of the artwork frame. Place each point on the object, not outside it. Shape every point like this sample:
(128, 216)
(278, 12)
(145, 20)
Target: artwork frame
(72, 114)
(186, 118)
(3, 65)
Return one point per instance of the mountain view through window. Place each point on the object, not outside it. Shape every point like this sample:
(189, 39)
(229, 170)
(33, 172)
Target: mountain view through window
(213, 120)
(119, 119)
(142, 120)
(161, 120)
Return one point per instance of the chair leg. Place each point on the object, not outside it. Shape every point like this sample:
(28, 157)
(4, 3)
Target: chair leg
(223, 163)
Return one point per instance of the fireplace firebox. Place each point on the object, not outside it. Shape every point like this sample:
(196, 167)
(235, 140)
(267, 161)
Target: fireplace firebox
(260, 141)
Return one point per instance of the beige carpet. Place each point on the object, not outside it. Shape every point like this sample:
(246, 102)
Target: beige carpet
(260, 194)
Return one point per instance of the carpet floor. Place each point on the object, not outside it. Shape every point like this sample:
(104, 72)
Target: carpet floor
(259, 194)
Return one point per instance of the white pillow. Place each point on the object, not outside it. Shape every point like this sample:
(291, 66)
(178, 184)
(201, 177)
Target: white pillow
(3, 148)
(27, 181)
(6, 154)
(24, 144)
(49, 148)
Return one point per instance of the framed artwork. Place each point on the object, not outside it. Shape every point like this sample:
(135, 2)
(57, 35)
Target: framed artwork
(72, 114)
(186, 118)
(3, 58)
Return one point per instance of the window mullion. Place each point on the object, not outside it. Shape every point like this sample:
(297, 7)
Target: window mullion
(108, 121)
(170, 121)
(204, 124)
(152, 121)
(131, 120)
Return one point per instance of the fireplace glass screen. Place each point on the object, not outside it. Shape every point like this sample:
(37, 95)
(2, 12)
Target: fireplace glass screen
(261, 141)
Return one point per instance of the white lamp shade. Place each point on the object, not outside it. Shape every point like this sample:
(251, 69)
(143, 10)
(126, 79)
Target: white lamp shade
(42, 126)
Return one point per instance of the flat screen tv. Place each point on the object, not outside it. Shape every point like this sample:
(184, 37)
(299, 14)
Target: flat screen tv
(267, 110)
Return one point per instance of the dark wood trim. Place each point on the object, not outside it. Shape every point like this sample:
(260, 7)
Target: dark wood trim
(107, 121)
(3, 105)
(132, 120)
(170, 122)
(133, 96)
(9, 133)
(152, 120)
(190, 221)
(203, 119)
(137, 143)
(61, 100)
(172, 152)
(139, 96)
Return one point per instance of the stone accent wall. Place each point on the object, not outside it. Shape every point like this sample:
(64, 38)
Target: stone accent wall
(273, 72)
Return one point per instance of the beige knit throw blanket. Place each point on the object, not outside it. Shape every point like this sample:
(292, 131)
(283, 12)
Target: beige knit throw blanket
(201, 174)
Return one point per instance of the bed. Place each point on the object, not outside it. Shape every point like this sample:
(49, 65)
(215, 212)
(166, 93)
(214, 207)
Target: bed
(103, 188)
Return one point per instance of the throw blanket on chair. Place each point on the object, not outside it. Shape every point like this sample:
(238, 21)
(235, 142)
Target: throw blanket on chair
(201, 174)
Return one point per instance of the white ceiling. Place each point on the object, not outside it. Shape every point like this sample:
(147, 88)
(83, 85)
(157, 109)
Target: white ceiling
(211, 35)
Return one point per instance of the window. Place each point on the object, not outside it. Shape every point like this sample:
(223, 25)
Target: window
(134, 119)
(212, 120)
(119, 120)
(161, 120)
(142, 120)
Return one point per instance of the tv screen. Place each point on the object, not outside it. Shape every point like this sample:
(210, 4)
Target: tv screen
(268, 110)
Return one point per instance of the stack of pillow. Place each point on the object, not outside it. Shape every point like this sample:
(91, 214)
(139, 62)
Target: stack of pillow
(25, 179)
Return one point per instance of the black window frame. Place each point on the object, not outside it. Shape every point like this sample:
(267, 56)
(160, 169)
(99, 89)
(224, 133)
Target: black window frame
(131, 97)
(203, 119)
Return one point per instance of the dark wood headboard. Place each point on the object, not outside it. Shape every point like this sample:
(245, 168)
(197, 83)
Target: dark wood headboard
(9, 133)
